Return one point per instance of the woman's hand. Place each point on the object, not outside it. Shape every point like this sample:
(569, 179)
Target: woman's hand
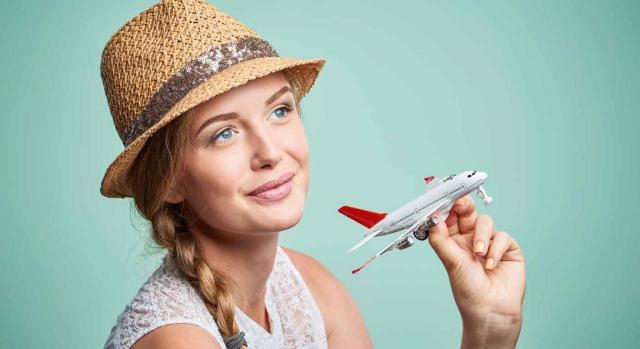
(487, 275)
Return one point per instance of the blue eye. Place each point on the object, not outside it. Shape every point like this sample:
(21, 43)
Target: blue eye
(281, 114)
(225, 134)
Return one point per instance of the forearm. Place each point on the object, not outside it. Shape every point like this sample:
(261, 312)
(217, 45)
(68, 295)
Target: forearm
(491, 331)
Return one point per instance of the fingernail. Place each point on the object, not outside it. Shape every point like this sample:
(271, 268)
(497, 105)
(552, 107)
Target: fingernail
(479, 246)
(489, 264)
(460, 202)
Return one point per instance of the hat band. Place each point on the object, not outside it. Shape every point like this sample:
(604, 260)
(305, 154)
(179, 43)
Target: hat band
(193, 74)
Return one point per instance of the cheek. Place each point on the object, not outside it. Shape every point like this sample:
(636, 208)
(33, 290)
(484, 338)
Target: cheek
(214, 180)
(295, 143)
(297, 147)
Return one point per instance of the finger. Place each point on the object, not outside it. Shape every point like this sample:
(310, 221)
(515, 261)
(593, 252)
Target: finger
(500, 245)
(484, 230)
(452, 223)
(467, 214)
(447, 250)
(452, 219)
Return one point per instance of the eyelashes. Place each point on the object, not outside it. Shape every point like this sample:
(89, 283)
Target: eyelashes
(226, 133)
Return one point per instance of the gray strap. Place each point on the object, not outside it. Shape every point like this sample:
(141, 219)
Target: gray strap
(235, 342)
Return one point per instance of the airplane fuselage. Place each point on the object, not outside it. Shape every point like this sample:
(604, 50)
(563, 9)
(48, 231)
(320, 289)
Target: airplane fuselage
(450, 189)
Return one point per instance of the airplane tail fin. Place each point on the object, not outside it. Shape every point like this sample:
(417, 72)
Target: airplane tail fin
(364, 217)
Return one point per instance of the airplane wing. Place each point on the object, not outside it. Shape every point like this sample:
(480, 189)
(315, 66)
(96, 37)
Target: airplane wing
(387, 248)
(367, 237)
(392, 245)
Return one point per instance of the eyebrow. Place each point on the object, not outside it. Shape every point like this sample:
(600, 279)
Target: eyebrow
(233, 115)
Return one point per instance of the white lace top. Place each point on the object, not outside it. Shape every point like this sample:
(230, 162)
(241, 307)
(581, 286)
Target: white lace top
(168, 298)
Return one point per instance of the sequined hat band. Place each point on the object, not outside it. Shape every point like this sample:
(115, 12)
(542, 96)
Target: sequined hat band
(193, 74)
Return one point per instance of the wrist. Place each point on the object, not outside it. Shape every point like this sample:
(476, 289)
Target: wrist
(490, 331)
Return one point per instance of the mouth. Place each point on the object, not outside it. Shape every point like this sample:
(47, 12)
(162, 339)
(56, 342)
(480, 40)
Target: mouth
(275, 189)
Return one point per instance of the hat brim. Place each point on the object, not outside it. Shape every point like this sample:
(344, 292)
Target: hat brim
(303, 71)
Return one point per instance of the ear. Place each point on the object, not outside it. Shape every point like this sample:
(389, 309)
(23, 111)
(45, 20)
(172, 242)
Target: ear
(174, 196)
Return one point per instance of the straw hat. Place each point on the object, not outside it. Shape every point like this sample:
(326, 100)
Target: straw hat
(174, 56)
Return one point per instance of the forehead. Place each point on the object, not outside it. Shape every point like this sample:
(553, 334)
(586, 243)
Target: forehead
(254, 92)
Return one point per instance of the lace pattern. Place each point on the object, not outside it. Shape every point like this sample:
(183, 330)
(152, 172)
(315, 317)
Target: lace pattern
(302, 322)
(166, 298)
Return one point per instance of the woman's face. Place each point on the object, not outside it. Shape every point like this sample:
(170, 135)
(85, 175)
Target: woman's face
(241, 139)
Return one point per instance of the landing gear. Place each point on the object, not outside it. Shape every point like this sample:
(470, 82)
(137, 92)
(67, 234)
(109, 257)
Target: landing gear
(483, 194)
(422, 232)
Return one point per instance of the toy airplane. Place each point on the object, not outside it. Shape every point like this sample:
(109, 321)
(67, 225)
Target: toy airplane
(419, 215)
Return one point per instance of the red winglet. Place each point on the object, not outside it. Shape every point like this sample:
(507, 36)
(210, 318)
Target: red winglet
(358, 269)
(364, 217)
(428, 179)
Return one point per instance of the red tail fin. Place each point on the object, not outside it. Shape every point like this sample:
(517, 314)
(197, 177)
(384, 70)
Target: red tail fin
(364, 217)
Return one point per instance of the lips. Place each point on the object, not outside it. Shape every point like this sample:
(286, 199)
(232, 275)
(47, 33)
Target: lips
(272, 184)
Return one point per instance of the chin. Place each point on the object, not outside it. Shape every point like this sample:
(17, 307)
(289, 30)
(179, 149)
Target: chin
(283, 214)
(278, 221)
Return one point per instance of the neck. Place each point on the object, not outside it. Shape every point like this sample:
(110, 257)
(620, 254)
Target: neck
(247, 258)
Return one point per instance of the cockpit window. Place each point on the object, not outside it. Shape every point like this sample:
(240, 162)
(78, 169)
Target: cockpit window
(449, 178)
(471, 174)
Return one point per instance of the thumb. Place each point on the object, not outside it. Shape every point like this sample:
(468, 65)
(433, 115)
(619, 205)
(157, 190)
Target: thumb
(447, 250)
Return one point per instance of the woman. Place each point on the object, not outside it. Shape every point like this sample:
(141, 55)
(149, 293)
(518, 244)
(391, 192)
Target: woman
(216, 159)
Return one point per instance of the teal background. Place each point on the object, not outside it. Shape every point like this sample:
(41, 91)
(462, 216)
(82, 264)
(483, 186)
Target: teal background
(541, 95)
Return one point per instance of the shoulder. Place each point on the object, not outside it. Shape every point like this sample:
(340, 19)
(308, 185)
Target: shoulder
(315, 275)
(177, 336)
(165, 309)
(338, 308)
(326, 289)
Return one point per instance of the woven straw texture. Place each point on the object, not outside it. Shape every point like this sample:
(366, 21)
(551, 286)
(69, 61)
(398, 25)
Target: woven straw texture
(153, 47)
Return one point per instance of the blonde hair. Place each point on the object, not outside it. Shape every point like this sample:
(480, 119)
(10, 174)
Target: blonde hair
(156, 170)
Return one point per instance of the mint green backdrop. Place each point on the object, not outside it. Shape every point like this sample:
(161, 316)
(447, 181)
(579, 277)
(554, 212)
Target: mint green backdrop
(541, 95)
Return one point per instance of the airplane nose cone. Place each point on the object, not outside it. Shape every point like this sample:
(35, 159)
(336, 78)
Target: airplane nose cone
(483, 175)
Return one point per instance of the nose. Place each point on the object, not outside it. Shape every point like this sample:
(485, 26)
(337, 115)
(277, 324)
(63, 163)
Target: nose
(266, 152)
(483, 175)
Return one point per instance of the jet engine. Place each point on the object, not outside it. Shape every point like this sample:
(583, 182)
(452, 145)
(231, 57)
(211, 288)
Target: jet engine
(405, 243)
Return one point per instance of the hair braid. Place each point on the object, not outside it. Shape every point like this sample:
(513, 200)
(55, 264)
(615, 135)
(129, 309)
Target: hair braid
(168, 228)
(215, 288)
